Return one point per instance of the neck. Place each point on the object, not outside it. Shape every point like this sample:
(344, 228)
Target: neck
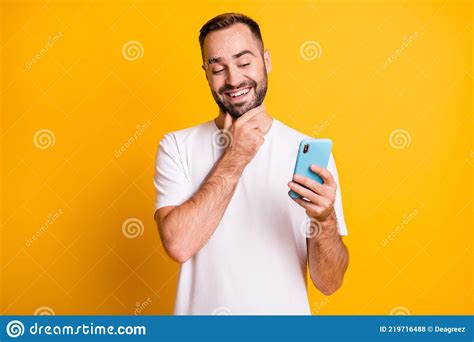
(265, 121)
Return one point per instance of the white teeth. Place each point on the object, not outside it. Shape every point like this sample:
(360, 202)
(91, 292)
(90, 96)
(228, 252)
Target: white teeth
(240, 92)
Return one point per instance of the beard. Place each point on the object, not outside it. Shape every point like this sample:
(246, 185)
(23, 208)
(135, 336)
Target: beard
(236, 110)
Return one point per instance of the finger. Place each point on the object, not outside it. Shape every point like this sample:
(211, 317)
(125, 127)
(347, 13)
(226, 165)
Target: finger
(327, 177)
(227, 121)
(303, 203)
(312, 210)
(310, 207)
(306, 193)
(251, 113)
(311, 184)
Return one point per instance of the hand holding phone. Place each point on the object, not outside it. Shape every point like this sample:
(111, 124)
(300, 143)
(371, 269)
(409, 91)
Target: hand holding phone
(311, 151)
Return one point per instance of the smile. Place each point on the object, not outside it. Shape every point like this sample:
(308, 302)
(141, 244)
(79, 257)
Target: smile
(238, 94)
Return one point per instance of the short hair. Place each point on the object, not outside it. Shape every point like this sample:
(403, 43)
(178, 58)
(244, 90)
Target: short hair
(226, 20)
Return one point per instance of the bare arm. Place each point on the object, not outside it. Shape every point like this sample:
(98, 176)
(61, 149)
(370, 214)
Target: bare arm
(186, 228)
(328, 257)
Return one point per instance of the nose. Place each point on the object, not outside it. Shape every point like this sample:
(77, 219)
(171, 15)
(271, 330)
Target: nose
(234, 77)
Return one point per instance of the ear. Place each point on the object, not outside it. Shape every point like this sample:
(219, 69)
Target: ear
(267, 60)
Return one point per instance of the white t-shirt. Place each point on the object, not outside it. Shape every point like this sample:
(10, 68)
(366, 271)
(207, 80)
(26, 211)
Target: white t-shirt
(255, 262)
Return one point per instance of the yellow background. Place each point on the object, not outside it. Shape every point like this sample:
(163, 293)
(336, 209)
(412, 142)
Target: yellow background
(383, 66)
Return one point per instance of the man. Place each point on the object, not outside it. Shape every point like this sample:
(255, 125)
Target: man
(223, 210)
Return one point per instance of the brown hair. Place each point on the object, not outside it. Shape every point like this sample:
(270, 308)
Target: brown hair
(228, 19)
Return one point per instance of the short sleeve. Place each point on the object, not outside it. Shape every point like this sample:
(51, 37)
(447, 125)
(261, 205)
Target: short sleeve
(341, 223)
(172, 183)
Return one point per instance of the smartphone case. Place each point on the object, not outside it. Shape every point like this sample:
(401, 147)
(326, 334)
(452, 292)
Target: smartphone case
(319, 152)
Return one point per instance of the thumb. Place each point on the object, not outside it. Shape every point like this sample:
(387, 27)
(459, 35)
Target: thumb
(227, 121)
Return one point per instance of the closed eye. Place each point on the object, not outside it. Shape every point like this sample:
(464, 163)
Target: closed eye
(217, 72)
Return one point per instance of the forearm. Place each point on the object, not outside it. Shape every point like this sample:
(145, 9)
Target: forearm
(188, 227)
(328, 257)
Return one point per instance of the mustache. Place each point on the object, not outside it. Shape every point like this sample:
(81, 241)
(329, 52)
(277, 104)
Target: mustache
(242, 85)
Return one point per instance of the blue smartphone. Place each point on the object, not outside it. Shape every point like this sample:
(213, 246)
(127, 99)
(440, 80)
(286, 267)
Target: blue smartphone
(311, 151)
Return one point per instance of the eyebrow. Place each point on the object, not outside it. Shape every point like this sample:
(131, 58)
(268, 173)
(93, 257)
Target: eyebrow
(237, 55)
